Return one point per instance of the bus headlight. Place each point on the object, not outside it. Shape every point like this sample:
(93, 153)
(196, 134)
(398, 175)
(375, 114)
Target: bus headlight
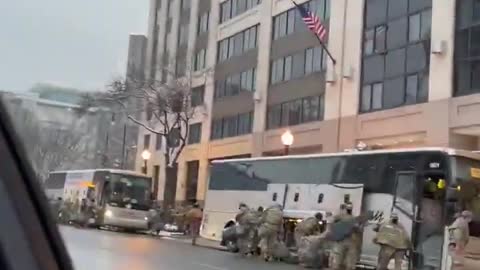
(108, 213)
(146, 218)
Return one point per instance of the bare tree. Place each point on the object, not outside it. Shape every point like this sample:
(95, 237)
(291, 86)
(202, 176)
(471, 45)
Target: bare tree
(165, 106)
(52, 148)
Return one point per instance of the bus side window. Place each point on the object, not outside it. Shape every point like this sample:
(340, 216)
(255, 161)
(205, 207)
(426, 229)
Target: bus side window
(346, 198)
(320, 198)
(295, 198)
(274, 197)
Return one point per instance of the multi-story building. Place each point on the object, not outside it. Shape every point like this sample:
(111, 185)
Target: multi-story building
(406, 75)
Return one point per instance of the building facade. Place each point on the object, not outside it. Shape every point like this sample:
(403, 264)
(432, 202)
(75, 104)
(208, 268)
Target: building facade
(405, 75)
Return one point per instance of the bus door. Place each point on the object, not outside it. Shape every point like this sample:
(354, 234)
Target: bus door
(429, 223)
(405, 202)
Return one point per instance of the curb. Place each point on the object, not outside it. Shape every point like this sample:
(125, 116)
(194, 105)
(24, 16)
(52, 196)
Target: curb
(183, 239)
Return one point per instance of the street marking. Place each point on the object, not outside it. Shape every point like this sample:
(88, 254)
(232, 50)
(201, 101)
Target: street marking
(210, 266)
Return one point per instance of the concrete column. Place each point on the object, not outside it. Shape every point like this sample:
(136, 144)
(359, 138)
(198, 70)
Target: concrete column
(173, 42)
(151, 27)
(437, 119)
(180, 194)
(335, 44)
(210, 63)
(203, 175)
(441, 65)
(262, 83)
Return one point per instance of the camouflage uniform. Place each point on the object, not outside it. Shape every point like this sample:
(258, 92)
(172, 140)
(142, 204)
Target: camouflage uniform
(271, 223)
(346, 251)
(306, 227)
(394, 242)
(246, 220)
(459, 236)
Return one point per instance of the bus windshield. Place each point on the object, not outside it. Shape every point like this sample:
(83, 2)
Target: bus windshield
(466, 174)
(130, 191)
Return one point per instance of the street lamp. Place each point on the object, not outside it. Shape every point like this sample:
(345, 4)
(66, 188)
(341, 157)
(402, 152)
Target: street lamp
(146, 156)
(287, 140)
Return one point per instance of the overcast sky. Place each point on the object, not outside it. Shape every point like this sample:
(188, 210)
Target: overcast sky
(76, 43)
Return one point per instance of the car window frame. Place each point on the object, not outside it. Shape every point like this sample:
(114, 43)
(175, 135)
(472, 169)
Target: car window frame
(28, 224)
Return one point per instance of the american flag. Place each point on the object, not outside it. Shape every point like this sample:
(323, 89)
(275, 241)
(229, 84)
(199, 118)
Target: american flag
(313, 22)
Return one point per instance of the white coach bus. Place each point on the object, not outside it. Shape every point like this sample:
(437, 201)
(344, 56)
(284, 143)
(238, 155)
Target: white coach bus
(425, 186)
(121, 198)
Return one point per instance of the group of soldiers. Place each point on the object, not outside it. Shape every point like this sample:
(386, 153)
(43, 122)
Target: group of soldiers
(340, 234)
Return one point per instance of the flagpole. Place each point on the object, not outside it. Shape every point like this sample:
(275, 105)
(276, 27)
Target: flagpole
(318, 38)
(326, 50)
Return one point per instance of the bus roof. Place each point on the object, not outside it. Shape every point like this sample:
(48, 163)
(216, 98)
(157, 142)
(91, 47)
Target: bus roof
(117, 171)
(448, 151)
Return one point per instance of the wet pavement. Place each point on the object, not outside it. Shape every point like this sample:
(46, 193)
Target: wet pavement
(102, 250)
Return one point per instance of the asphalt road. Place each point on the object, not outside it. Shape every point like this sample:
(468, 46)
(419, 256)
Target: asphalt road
(101, 250)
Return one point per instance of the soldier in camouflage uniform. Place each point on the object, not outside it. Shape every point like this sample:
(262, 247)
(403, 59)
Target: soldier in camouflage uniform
(270, 225)
(459, 236)
(307, 227)
(247, 220)
(346, 251)
(394, 242)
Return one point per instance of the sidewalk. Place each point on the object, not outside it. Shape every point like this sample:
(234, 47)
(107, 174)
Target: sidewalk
(201, 242)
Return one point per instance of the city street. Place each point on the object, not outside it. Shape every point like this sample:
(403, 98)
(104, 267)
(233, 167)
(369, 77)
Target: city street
(94, 249)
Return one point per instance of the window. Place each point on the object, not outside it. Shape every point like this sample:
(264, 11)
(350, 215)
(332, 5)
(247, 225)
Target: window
(467, 48)
(245, 123)
(303, 110)
(246, 80)
(183, 34)
(291, 21)
(203, 23)
(412, 89)
(158, 142)
(146, 141)
(199, 60)
(197, 96)
(297, 65)
(274, 115)
(194, 133)
(180, 66)
(234, 84)
(223, 50)
(232, 8)
(237, 44)
(217, 129)
(274, 196)
(232, 126)
(414, 27)
(192, 180)
(310, 109)
(185, 4)
(309, 61)
(276, 71)
(396, 53)
(296, 197)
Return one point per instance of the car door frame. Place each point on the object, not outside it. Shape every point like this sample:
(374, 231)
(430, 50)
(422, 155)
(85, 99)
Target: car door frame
(29, 236)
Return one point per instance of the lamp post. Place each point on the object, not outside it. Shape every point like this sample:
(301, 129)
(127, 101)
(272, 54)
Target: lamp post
(146, 156)
(287, 141)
